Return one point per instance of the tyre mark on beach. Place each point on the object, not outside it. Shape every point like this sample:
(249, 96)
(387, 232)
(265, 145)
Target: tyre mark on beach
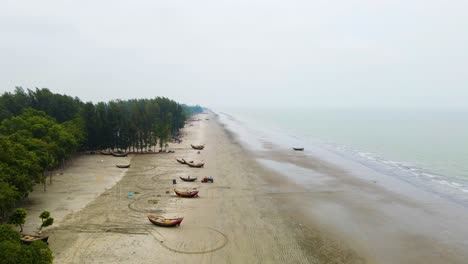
(219, 244)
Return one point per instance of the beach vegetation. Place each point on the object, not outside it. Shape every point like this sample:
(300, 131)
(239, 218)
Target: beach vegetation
(18, 218)
(46, 220)
(14, 252)
(40, 130)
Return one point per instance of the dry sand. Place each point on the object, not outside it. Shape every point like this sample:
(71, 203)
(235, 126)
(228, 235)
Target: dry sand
(240, 218)
(248, 215)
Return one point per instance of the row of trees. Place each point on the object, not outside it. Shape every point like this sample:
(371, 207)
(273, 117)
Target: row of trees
(133, 124)
(39, 130)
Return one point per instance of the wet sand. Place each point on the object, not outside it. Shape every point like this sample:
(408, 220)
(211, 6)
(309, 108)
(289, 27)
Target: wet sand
(237, 219)
(250, 214)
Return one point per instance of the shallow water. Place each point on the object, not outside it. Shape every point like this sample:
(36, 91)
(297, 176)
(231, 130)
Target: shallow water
(428, 149)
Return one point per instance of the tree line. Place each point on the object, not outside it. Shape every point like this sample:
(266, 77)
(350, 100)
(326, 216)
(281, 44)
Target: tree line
(39, 130)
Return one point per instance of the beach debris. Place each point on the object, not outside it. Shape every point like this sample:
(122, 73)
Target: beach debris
(154, 201)
(207, 180)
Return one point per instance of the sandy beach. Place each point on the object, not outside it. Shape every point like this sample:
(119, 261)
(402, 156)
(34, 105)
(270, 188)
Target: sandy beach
(237, 219)
(250, 214)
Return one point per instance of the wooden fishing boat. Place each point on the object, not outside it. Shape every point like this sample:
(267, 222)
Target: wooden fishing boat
(102, 152)
(119, 154)
(188, 179)
(197, 165)
(181, 161)
(167, 222)
(199, 147)
(28, 239)
(186, 194)
(123, 166)
(298, 149)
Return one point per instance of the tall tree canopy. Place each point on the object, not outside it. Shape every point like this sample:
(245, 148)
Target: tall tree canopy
(40, 129)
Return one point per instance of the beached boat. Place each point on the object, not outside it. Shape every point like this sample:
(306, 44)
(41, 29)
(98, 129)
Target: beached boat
(298, 149)
(199, 147)
(123, 166)
(181, 161)
(186, 194)
(167, 222)
(28, 239)
(188, 179)
(197, 165)
(119, 154)
(102, 152)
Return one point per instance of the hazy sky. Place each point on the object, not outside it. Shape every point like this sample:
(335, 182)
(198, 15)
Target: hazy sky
(363, 53)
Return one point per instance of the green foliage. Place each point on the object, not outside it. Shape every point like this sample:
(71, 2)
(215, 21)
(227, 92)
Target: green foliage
(14, 252)
(18, 218)
(9, 234)
(46, 219)
(44, 215)
(8, 197)
(47, 222)
(39, 130)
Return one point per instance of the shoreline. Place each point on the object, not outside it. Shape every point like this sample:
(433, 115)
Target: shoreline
(383, 219)
(236, 219)
(251, 213)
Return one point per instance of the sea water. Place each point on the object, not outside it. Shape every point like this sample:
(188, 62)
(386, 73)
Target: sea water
(428, 148)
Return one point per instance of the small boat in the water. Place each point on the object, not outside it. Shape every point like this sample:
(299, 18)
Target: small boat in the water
(186, 194)
(195, 165)
(123, 166)
(199, 147)
(167, 222)
(28, 239)
(188, 179)
(120, 154)
(181, 161)
(298, 149)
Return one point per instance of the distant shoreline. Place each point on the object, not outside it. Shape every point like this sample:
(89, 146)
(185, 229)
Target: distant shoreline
(359, 206)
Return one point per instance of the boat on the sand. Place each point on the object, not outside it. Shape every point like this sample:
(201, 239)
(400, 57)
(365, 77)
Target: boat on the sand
(195, 165)
(119, 154)
(123, 166)
(181, 161)
(298, 149)
(199, 147)
(167, 222)
(186, 194)
(28, 239)
(188, 179)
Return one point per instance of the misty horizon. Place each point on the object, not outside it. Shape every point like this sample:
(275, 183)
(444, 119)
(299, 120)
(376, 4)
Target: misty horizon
(257, 54)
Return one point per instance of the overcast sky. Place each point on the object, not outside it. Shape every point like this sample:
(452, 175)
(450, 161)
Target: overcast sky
(290, 53)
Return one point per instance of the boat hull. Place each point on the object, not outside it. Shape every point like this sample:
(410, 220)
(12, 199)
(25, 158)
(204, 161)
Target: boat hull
(188, 179)
(32, 238)
(189, 194)
(165, 222)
